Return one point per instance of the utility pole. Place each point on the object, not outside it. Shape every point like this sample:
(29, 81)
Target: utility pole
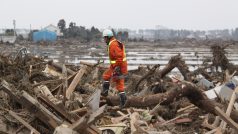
(14, 25)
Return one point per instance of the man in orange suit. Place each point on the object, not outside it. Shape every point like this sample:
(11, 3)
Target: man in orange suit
(118, 66)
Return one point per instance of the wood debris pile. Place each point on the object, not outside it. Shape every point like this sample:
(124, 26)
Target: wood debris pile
(41, 96)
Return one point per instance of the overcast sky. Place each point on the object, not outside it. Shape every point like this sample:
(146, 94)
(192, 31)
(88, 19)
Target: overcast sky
(133, 14)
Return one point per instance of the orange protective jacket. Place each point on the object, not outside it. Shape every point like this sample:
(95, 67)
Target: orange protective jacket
(117, 55)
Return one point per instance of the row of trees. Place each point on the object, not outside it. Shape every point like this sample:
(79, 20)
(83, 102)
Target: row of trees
(80, 32)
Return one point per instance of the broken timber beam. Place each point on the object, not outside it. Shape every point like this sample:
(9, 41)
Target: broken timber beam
(87, 120)
(190, 91)
(93, 130)
(75, 81)
(22, 126)
(39, 110)
(230, 106)
(81, 111)
(23, 122)
(93, 65)
(65, 82)
(56, 109)
(70, 78)
(226, 118)
(32, 105)
(58, 66)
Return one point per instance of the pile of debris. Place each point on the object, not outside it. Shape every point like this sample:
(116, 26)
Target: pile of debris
(41, 96)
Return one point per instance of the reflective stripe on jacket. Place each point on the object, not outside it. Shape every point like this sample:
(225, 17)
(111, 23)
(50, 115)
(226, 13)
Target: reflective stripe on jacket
(116, 52)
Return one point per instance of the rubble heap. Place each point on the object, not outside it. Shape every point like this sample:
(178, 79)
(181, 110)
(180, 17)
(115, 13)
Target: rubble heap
(41, 96)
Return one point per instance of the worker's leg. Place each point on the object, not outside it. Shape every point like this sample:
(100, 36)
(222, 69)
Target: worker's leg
(120, 87)
(106, 81)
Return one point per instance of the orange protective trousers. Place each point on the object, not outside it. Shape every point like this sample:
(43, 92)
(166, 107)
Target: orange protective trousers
(107, 75)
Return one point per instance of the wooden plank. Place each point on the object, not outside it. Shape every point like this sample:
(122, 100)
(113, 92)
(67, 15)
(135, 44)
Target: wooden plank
(75, 81)
(23, 122)
(94, 100)
(87, 120)
(230, 106)
(93, 65)
(58, 66)
(119, 119)
(70, 78)
(39, 110)
(22, 126)
(216, 122)
(81, 111)
(185, 108)
(93, 130)
(32, 105)
(97, 114)
(155, 109)
(58, 110)
(134, 118)
(227, 119)
(182, 115)
(215, 131)
(81, 124)
(65, 82)
(46, 82)
(206, 124)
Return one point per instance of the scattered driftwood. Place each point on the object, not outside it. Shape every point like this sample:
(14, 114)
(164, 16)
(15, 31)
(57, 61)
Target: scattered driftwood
(190, 91)
(64, 99)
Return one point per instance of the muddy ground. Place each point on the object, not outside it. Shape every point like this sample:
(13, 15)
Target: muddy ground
(146, 53)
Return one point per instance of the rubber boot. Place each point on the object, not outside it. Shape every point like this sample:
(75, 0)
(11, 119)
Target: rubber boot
(105, 88)
(123, 99)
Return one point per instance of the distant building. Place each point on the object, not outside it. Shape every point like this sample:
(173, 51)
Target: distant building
(23, 32)
(6, 38)
(2, 31)
(53, 28)
(44, 35)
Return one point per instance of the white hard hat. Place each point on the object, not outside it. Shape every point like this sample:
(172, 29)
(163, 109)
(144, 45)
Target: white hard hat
(107, 32)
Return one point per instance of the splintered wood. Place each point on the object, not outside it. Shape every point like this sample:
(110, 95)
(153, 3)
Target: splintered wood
(39, 96)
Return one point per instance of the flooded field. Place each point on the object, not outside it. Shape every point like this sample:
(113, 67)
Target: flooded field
(137, 54)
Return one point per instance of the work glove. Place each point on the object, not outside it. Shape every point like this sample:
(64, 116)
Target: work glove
(117, 71)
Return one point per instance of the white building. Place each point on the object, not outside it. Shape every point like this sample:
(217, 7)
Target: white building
(55, 29)
(2, 31)
(23, 32)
